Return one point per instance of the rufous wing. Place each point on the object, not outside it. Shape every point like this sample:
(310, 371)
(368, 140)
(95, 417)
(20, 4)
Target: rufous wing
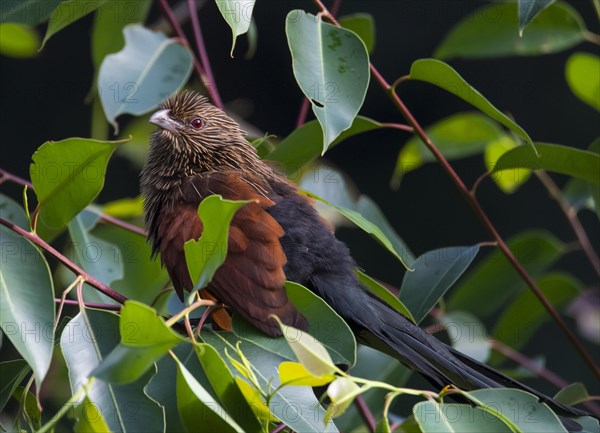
(251, 280)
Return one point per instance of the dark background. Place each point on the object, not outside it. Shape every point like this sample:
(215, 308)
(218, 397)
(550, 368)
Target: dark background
(43, 99)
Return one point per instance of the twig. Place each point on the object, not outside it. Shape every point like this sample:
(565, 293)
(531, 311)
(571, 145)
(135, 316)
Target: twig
(203, 55)
(279, 428)
(34, 238)
(90, 304)
(571, 214)
(365, 413)
(6, 176)
(399, 126)
(419, 131)
(168, 12)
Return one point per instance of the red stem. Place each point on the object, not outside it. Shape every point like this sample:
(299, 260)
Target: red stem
(303, 112)
(203, 55)
(168, 12)
(471, 199)
(365, 413)
(68, 263)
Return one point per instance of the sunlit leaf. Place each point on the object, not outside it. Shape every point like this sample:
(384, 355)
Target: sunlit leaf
(331, 66)
(457, 136)
(467, 334)
(18, 40)
(507, 180)
(582, 71)
(342, 392)
(296, 374)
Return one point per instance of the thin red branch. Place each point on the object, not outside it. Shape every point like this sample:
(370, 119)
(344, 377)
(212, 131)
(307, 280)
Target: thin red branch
(34, 238)
(90, 304)
(279, 428)
(365, 413)
(571, 214)
(168, 12)
(303, 112)
(471, 199)
(6, 176)
(203, 55)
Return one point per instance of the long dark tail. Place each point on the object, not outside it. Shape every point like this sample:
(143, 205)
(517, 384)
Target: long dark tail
(383, 328)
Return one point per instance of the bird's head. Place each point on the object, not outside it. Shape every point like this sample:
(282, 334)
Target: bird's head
(191, 126)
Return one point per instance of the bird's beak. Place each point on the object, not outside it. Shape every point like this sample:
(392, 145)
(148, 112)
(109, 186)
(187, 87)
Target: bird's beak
(162, 119)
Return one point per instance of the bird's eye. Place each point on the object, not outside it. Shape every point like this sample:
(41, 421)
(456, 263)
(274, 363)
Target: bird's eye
(197, 123)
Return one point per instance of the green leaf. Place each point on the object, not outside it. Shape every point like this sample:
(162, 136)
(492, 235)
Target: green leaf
(589, 424)
(67, 13)
(534, 417)
(342, 392)
(363, 25)
(572, 394)
(374, 287)
(143, 278)
(310, 353)
(124, 208)
(467, 334)
(493, 31)
(508, 180)
(296, 406)
(238, 14)
(581, 194)
(144, 73)
(223, 383)
(524, 316)
(12, 374)
(442, 75)
(324, 324)
(458, 136)
(27, 301)
(67, 176)
(528, 9)
(144, 339)
(27, 11)
(196, 406)
(305, 144)
(581, 164)
(331, 66)
(434, 273)
(18, 40)
(111, 18)
(89, 418)
(12, 211)
(204, 256)
(29, 405)
(97, 257)
(494, 281)
(582, 73)
(434, 417)
(85, 342)
(367, 226)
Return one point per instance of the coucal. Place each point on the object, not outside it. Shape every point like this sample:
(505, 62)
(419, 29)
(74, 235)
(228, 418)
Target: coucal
(197, 151)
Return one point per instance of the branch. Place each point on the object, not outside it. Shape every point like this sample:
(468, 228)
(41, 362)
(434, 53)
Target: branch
(365, 413)
(34, 238)
(6, 176)
(203, 55)
(571, 214)
(470, 198)
(96, 305)
(168, 12)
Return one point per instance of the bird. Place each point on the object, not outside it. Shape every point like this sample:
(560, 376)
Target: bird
(197, 151)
